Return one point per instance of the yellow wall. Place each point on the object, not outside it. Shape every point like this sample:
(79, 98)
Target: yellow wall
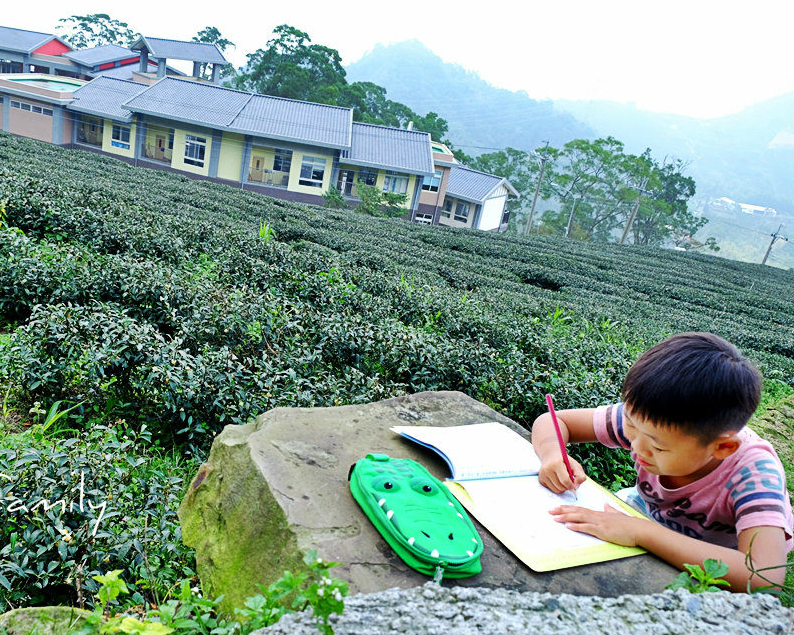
(107, 138)
(231, 157)
(178, 158)
(295, 172)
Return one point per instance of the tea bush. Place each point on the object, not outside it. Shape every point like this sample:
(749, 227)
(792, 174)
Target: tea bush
(74, 506)
(158, 291)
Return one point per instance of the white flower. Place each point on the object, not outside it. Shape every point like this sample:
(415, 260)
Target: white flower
(337, 595)
(321, 591)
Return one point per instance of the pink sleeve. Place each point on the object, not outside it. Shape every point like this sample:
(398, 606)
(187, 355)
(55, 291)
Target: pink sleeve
(759, 495)
(608, 426)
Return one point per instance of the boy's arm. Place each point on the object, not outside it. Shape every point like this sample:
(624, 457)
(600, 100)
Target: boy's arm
(576, 426)
(768, 544)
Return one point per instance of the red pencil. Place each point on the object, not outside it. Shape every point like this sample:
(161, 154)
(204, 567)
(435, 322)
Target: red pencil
(561, 442)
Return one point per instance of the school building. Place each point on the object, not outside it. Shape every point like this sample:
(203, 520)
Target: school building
(131, 104)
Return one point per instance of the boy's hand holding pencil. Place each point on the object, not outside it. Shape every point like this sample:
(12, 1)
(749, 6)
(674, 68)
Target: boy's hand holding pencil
(560, 473)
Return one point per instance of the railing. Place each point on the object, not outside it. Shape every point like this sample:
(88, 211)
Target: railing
(155, 153)
(268, 177)
(89, 138)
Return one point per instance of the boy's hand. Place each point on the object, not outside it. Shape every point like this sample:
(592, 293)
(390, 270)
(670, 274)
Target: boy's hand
(610, 525)
(554, 475)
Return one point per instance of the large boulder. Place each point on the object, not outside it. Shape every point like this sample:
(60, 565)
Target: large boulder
(43, 620)
(278, 486)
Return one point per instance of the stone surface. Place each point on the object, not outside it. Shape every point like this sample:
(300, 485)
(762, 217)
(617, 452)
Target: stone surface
(42, 620)
(278, 485)
(431, 609)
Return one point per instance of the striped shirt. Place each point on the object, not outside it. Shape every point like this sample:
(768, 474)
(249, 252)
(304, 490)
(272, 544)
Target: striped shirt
(748, 489)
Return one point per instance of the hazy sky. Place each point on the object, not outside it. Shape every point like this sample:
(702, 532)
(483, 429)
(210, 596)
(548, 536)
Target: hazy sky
(697, 57)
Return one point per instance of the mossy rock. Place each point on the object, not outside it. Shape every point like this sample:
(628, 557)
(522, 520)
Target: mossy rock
(776, 425)
(43, 620)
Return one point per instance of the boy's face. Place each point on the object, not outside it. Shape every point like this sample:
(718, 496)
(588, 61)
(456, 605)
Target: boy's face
(668, 451)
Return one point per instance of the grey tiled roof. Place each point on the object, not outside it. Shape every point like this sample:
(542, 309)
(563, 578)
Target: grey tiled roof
(472, 185)
(120, 72)
(207, 104)
(101, 54)
(181, 50)
(104, 96)
(380, 146)
(301, 121)
(22, 41)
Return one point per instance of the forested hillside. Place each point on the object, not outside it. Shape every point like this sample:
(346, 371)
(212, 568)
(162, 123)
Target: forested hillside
(746, 156)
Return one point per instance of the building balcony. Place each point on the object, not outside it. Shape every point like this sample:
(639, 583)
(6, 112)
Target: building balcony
(270, 178)
(156, 153)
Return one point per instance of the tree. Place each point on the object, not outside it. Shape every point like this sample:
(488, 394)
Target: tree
(665, 217)
(377, 203)
(211, 35)
(292, 67)
(96, 29)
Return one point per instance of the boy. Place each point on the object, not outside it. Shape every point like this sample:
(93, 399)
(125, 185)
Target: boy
(713, 488)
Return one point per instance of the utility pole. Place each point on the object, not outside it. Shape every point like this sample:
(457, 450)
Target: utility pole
(576, 202)
(640, 191)
(543, 160)
(775, 236)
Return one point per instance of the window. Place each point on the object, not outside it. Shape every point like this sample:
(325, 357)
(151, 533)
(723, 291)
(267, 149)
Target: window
(15, 104)
(171, 140)
(282, 161)
(47, 111)
(39, 110)
(368, 176)
(426, 219)
(195, 148)
(446, 212)
(431, 183)
(120, 137)
(25, 106)
(36, 109)
(462, 212)
(312, 171)
(395, 183)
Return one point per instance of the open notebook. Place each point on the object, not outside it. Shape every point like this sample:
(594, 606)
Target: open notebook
(494, 476)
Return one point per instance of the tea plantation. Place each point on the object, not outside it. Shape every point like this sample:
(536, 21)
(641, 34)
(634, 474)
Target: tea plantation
(165, 308)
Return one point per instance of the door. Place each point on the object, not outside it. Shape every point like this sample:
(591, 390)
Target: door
(159, 145)
(257, 167)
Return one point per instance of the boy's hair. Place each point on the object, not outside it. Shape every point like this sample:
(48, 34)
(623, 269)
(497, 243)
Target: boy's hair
(696, 382)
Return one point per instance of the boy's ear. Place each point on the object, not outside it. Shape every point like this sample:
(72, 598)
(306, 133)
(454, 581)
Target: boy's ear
(725, 445)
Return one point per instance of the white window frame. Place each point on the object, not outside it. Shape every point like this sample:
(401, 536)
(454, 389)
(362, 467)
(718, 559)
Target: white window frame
(195, 150)
(397, 183)
(446, 212)
(432, 183)
(282, 158)
(462, 211)
(312, 171)
(120, 136)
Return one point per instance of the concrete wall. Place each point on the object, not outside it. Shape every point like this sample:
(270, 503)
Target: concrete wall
(30, 124)
(178, 159)
(492, 211)
(107, 140)
(231, 157)
(295, 171)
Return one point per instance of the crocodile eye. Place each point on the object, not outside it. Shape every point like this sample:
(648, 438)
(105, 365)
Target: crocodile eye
(422, 485)
(384, 483)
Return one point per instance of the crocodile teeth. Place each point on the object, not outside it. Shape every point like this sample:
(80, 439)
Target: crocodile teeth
(411, 540)
(381, 502)
(471, 553)
(434, 553)
(390, 513)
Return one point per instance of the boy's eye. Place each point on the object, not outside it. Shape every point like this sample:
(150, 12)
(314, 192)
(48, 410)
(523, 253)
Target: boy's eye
(658, 449)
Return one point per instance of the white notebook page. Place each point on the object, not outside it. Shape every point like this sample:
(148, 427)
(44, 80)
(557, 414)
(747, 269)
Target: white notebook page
(479, 450)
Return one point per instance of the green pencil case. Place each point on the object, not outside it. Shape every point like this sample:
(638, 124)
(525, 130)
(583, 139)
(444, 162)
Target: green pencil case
(417, 515)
